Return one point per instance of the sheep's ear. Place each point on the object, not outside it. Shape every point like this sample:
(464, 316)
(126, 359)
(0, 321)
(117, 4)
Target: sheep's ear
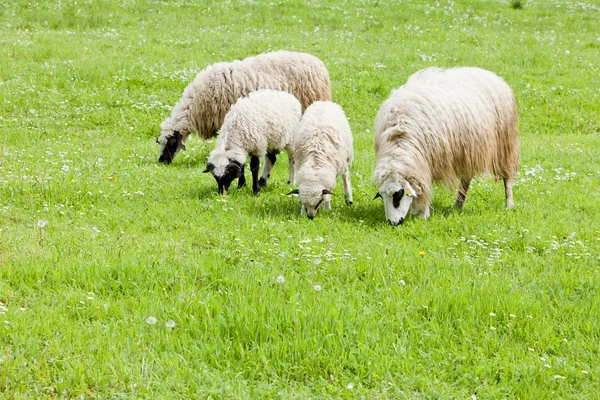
(180, 144)
(377, 196)
(295, 191)
(326, 191)
(209, 168)
(408, 190)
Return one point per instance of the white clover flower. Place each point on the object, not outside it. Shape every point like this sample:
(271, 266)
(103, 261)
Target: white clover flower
(150, 320)
(42, 223)
(317, 288)
(350, 386)
(402, 282)
(317, 261)
(280, 279)
(65, 168)
(170, 324)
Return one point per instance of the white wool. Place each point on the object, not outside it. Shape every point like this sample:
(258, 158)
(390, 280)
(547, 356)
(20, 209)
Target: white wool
(322, 152)
(446, 126)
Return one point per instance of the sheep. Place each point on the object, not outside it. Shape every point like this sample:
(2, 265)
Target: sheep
(322, 152)
(209, 97)
(446, 126)
(261, 124)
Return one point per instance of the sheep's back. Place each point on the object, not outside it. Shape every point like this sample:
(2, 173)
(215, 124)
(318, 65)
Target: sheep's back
(462, 121)
(324, 137)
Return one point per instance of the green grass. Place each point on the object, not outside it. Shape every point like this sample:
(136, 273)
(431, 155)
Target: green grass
(504, 304)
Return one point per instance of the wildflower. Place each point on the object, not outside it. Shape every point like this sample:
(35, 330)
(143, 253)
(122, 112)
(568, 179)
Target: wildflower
(150, 320)
(317, 288)
(170, 324)
(317, 261)
(65, 168)
(42, 223)
(280, 279)
(583, 371)
(492, 314)
(402, 282)
(350, 386)
(421, 253)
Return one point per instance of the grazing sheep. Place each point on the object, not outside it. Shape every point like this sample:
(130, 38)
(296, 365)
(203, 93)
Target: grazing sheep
(445, 126)
(208, 98)
(322, 152)
(261, 124)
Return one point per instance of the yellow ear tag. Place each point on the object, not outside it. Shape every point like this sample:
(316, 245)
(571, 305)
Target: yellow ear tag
(409, 192)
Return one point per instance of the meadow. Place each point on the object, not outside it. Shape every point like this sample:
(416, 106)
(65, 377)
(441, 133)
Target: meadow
(124, 278)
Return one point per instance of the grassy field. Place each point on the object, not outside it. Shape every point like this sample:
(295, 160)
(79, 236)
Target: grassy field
(502, 304)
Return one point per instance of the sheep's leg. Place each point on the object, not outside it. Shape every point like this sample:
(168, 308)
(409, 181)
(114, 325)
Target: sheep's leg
(292, 176)
(462, 193)
(254, 164)
(303, 211)
(242, 178)
(327, 205)
(347, 186)
(509, 195)
(425, 213)
(270, 159)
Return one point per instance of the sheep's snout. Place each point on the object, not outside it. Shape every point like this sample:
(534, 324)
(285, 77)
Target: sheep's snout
(311, 217)
(396, 223)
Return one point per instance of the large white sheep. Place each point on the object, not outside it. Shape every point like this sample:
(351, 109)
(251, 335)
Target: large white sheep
(445, 126)
(261, 124)
(208, 98)
(322, 152)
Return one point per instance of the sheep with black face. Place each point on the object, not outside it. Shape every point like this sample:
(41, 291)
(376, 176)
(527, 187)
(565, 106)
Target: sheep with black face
(446, 126)
(322, 152)
(206, 100)
(261, 124)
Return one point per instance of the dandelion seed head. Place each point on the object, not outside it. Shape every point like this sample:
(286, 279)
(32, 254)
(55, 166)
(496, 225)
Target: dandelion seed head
(317, 288)
(42, 223)
(150, 320)
(170, 324)
(317, 261)
(280, 279)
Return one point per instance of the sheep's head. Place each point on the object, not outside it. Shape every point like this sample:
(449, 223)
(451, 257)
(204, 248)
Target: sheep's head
(224, 171)
(312, 197)
(397, 200)
(171, 142)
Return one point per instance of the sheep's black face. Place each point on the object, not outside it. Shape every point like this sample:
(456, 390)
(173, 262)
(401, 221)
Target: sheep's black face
(173, 145)
(232, 171)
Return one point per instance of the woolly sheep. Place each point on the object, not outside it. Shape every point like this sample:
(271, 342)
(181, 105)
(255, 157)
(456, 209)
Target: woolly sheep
(322, 152)
(261, 124)
(445, 126)
(209, 97)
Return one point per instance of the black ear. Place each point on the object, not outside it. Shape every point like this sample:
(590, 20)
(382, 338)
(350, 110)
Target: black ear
(234, 169)
(326, 191)
(378, 195)
(180, 144)
(157, 141)
(209, 168)
(295, 191)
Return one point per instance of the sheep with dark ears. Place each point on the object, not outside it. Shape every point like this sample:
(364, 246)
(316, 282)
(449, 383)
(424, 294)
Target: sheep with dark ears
(322, 152)
(446, 126)
(261, 124)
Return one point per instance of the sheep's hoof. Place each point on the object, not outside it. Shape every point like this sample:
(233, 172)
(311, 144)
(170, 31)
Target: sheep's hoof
(349, 203)
(262, 182)
(255, 192)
